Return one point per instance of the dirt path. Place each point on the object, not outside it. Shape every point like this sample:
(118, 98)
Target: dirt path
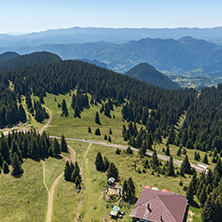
(52, 190)
(80, 202)
(49, 120)
(43, 167)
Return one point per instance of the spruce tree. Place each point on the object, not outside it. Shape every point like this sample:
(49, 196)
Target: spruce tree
(106, 163)
(205, 159)
(167, 152)
(89, 130)
(170, 168)
(208, 210)
(99, 162)
(142, 151)
(16, 165)
(186, 165)
(105, 137)
(97, 120)
(5, 167)
(64, 147)
(64, 108)
(179, 152)
(109, 139)
(112, 171)
(56, 150)
(155, 161)
(97, 132)
(22, 113)
(203, 196)
(110, 131)
(67, 171)
(190, 193)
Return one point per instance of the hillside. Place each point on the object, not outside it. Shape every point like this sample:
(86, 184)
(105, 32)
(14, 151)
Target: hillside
(13, 61)
(169, 55)
(149, 74)
(8, 55)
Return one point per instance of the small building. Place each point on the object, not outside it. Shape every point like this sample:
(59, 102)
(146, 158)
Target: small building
(160, 206)
(111, 181)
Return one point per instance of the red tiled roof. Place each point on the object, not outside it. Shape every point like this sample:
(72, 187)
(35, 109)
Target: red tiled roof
(168, 206)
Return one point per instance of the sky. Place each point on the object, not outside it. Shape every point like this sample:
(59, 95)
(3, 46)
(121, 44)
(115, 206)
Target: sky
(25, 16)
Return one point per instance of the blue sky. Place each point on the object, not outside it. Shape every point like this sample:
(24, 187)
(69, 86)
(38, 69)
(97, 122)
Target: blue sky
(36, 15)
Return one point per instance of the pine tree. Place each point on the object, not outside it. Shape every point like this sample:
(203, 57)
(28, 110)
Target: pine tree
(155, 161)
(97, 120)
(167, 152)
(22, 113)
(109, 139)
(1, 161)
(208, 210)
(110, 131)
(56, 150)
(112, 171)
(186, 165)
(203, 196)
(64, 147)
(89, 130)
(142, 151)
(179, 152)
(205, 159)
(106, 163)
(64, 108)
(190, 193)
(97, 132)
(67, 171)
(105, 137)
(5, 167)
(99, 162)
(170, 168)
(16, 165)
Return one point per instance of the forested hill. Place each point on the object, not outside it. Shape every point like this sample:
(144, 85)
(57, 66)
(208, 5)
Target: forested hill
(149, 74)
(61, 77)
(202, 128)
(8, 55)
(14, 61)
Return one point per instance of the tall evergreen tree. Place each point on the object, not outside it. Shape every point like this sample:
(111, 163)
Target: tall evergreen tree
(67, 171)
(5, 167)
(97, 120)
(64, 108)
(22, 113)
(56, 150)
(99, 162)
(170, 168)
(205, 159)
(64, 147)
(186, 165)
(155, 161)
(16, 165)
(112, 171)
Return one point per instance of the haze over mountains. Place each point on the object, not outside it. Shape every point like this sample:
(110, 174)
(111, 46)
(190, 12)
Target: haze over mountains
(120, 35)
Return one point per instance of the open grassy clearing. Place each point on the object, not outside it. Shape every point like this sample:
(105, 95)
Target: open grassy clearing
(16, 192)
(78, 127)
(190, 153)
(94, 205)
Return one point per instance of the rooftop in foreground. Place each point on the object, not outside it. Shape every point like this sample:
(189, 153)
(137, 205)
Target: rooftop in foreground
(161, 206)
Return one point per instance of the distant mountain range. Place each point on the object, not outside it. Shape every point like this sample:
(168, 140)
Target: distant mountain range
(168, 55)
(12, 60)
(149, 74)
(114, 35)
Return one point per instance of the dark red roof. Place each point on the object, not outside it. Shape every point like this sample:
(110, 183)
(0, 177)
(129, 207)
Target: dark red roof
(169, 207)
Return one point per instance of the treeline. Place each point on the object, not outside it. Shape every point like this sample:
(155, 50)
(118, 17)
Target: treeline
(202, 128)
(102, 84)
(20, 145)
(207, 188)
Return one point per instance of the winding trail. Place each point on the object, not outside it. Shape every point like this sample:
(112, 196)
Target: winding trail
(48, 122)
(52, 190)
(80, 202)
